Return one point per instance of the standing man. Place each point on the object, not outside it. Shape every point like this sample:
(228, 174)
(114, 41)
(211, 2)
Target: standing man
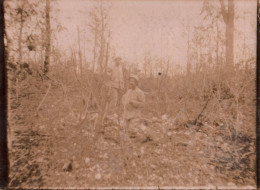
(133, 101)
(117, 84)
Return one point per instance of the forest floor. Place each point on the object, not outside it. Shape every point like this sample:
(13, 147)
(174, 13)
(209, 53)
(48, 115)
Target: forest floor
(50, 149)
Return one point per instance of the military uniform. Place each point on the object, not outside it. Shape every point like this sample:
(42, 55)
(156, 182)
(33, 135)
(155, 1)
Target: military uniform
(132, 113)
(117, 85)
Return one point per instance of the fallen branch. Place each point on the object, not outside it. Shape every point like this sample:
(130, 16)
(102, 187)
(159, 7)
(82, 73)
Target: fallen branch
(36, 113)
(204, 107)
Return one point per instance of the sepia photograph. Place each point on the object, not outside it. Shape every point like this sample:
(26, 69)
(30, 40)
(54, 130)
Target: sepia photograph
(131, 94)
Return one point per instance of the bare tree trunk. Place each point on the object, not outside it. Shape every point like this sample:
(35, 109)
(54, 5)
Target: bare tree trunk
(7, 46)
(228, 17)
(151, 70)
(188, 52)
(80, 57)
(107, 51)
(102, 41)
(200, 59)
(230, 34)
(84, 54)
(161, 65)
(48, 38)
(107, 56)
(145, 66)
(217, 47)
(166, 72)
(244, 40)
(197, 58)
(94, 50)
(99, 26)
(20, 56)
(172, 70)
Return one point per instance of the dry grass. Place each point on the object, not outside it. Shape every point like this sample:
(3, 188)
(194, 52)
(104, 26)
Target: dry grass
(201, 129)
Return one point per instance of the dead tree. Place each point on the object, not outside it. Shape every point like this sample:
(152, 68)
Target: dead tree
(107, 51)
(95, 29)
(228, 17)
(101, 34)
(20, 11)
(22, 19)
(48, 37)
(188, 67)
(107, 56)
(80, 56)
(102, 39)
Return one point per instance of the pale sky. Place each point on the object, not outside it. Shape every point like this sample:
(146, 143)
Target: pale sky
(139, 26)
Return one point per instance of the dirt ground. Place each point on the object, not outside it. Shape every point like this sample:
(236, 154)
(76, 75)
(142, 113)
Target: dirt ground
(56, 151)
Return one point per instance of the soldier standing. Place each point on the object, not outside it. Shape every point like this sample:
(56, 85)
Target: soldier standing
(133, 102)
(117, 85)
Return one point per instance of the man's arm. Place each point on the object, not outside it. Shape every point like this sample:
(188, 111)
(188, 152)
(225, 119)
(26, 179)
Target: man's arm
(140, 102)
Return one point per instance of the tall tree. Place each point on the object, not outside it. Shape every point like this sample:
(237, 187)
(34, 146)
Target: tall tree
(80, 55)
(107, 52)
(228, 17)
(48, 37)
(188, 66)
(208, 34)
(20, 23)
(21, 12)
(102, 36)
(94, 29)
(98, 25)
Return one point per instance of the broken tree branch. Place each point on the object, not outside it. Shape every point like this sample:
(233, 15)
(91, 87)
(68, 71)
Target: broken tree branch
(204, 107)
(43, 99)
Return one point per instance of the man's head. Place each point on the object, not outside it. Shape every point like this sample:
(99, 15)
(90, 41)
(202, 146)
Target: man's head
(133, 82)
(118, 60)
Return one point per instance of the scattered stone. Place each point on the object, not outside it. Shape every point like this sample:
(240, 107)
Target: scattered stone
(105, 155)
(143, 127)
(98, 176)
(142, 150)
(87, 160)
(164, 117)
(42, 127)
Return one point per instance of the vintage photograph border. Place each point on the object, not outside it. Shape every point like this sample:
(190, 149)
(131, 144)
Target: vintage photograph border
(3, 117)
(258, 96)
(3, 106)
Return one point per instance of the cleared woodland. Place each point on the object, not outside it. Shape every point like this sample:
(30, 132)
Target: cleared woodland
(200, 115)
